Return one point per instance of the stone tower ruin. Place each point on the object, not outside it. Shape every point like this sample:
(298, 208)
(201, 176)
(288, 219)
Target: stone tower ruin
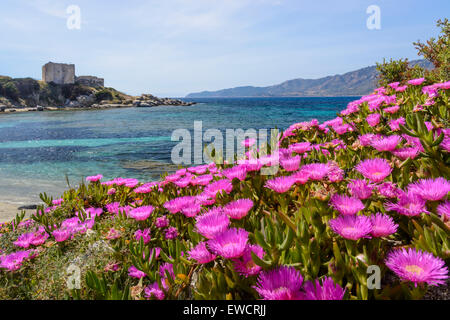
(59, 73)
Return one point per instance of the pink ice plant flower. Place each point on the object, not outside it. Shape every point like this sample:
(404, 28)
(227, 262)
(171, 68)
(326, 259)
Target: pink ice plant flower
(282, 283)
(14, 260)
(144, 235)
(237, 172)
(406, 153)
(223, 185)
(162, 222)
(245, 264)
(201, 254)
(346, 205)
(382, 225)
(280, 184)
(57, 202)
(416, 82)
(409, 204)
(351, 227)
(326, 289)
(360, 189)
(230, 243)
(431, 189)
(300, 147)
(444, 210)
(141, 213)
(316, 171)
(386, 143)
(94, 178)
(153, 291)
(212, 223)
(392, 109)
(376, 170)
(291, 163)
(394, 124)
(238, 209)
(373, 119)
(417, 266)
(135, 272)
(171, 233)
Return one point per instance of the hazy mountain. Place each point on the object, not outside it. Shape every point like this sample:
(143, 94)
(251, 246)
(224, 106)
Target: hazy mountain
(354, 83)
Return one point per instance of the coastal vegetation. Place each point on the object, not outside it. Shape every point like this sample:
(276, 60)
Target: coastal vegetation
(358, 208)
(366, 190)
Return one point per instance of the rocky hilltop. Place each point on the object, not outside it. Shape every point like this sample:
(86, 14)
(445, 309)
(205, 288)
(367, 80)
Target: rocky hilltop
(27, 94)
(355, 83)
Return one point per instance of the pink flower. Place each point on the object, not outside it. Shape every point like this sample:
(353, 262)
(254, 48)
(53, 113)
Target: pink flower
(327, 290)
(238, 209)
(360, 189)
(409, 204)
(283, 283)
(351, 227)
(13, 261)
(191, 210)
(316, 171)
(417, 266)
(162, 222)
(388, 190)
(238, 172)
(392, 109)
(394, 124)
(111, 191)
(212, 223)
(144, 234)
(245, 264)
(416, 82)
(171, 233)
(61, 235)
(291, 164)
(346, 205)
(280, 184)
(135, 273)
(58, 202)
(141, 213)
(376, 169)
(153, 291)
(382, 225)
(300, 147)
(430, 189)
(229, 244)
(444, 210)
(201, 253)
(373, 119)
(113, 234)
(94, 178)
(386, 144)
(218, 186)
(405, 153)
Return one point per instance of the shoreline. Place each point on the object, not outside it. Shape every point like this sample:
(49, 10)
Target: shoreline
(9, 210)
(98, 107)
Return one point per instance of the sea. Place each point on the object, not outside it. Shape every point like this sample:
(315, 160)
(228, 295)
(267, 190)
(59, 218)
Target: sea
(46, 151)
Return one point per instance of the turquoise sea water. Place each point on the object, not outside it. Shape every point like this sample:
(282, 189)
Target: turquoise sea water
(38, 149)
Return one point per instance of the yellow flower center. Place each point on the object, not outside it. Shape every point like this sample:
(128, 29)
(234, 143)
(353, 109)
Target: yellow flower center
(414, 269)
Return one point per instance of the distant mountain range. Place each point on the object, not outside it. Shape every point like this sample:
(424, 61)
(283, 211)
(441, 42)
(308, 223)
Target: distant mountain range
(354, 83)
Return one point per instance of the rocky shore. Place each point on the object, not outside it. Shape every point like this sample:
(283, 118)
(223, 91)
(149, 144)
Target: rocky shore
(25, 95)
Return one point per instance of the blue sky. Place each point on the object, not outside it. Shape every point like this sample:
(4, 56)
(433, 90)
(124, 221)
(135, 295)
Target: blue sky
(174, 47)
